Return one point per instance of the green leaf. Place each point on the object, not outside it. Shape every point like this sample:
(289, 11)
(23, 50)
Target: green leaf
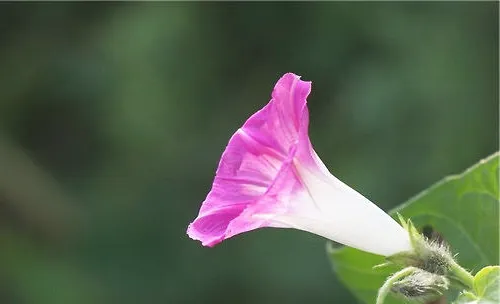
(463, 209)
(486, 288)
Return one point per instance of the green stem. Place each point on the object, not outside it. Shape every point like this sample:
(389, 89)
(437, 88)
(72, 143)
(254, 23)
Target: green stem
(462, 275)
(386, 288)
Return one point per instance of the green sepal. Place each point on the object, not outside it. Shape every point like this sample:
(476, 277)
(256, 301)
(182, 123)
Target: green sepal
(429, 255)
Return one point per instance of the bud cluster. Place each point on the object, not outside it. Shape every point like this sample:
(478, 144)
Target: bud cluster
(428, 270)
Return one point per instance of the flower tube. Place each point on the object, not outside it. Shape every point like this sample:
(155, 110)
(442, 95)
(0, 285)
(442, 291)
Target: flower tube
(270, 176)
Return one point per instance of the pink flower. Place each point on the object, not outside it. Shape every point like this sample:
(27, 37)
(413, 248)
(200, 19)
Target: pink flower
(270, 176)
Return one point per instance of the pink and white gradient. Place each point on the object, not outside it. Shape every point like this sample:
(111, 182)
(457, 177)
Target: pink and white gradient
(270, 176)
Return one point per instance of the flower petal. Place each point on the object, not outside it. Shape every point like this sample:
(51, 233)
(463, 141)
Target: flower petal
(252, 160)
(341, 214)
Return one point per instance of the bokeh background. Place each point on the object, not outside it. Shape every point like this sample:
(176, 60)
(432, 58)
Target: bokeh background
(113, 117)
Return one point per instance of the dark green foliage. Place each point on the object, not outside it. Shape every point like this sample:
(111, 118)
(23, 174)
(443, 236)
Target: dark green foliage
(464, 209)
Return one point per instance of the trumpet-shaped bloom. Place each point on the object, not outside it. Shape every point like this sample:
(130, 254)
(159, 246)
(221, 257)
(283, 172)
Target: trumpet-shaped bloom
(270, 176)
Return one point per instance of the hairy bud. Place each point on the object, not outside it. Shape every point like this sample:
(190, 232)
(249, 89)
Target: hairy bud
(421, 286)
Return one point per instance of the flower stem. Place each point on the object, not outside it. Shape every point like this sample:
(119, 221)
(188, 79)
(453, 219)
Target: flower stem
(462, 275)
(386, 288)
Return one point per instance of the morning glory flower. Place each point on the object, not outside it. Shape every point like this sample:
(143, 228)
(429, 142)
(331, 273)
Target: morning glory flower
(270, 176)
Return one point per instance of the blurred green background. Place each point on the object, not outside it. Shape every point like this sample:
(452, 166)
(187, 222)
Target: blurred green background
(113, 117)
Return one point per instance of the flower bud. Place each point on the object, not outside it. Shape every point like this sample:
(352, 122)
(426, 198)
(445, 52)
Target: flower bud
(421, 286)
